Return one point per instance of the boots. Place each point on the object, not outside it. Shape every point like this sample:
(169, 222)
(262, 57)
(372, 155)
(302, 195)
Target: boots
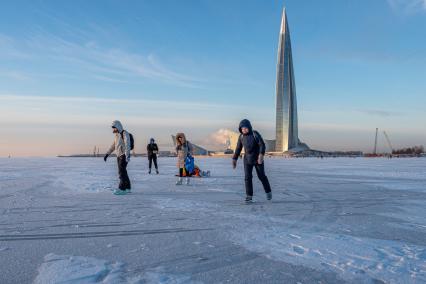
(187, 181)
(249, 199)
(179, 181)
(119, 192)
(269, 195)
(157, 171)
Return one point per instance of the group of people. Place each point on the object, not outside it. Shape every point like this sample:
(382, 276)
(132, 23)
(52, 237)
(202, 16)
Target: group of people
(250, 140)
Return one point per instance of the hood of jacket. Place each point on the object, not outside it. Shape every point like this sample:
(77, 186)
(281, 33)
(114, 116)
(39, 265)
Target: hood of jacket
(117, 124)
(183, 138)
(151, 140)
(245, 123)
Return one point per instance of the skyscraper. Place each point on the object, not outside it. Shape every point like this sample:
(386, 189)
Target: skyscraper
(286, 105)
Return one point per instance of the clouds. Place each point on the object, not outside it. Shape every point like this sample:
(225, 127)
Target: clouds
(408, 6)
(82, 111)
(86, 58)
(380, 113)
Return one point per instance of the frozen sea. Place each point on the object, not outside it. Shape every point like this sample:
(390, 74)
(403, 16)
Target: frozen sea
(339, 220)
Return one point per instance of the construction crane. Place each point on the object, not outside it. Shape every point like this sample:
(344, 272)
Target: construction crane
(388, 140)
(375, 143)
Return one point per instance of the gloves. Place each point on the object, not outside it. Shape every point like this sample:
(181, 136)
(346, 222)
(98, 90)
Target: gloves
(234, 164)
(106, 157)
(260, 159)
(127, 159)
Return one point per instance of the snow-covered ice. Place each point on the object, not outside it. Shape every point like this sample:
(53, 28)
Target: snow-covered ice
(331, 221)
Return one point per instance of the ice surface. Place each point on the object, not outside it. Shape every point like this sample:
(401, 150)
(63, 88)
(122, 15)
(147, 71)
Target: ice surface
(77, 269)
(330, 221)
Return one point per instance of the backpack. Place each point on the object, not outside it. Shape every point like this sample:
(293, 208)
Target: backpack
(132, 141)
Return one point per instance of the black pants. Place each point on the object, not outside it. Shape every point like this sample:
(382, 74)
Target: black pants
(122, 173)
(152, 158)
(260, 170)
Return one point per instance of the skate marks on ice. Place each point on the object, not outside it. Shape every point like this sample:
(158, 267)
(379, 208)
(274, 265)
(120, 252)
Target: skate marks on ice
(318, 237)
(310, 230)
(20, 237)
(353, 259)
(360, 225)
(80, 269)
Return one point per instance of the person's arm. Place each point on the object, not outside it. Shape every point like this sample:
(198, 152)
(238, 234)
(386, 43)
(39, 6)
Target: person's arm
(238, 150)
(111, 149)
(262, 148)
(147, 148)
(190, 148)
(126, 141)
(156, 148)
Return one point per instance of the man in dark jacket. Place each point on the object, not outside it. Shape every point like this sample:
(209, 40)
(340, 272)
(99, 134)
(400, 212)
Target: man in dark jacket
(254, 148)
(152, 150)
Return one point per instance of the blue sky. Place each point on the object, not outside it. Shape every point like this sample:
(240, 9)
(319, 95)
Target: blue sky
(68, 68)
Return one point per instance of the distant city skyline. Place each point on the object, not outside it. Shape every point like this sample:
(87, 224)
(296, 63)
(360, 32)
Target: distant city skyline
(68, 69)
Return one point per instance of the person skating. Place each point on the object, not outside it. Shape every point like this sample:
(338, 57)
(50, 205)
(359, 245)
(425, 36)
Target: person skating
(152, 150)
(122, 147)
(254, 148)
(183, 149)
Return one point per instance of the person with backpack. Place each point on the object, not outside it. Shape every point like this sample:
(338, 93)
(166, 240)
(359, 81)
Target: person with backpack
(152, 150)
(254, 148)
(122, 145)
(184, 155)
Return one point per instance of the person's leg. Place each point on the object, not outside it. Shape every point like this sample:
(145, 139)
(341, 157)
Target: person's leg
(126, 176)
(187, 175)
(248, 172)
(154, 157)
(260, 170)
(150, 162)
(122, 173)
(179, 181)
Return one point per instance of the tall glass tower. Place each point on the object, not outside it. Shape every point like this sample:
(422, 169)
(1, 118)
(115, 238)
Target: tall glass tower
(286, 105)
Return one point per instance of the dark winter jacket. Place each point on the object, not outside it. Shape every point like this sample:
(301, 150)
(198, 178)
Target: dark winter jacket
(152, 149)
(252, 142)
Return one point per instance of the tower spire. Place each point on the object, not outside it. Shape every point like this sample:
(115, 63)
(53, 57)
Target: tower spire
(286, 105)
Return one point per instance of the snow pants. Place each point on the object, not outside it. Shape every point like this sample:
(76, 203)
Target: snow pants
(122, 173)
(153, 158)
(260, 170)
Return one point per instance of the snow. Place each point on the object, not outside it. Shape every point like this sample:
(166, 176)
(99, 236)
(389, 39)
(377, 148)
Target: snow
(72, 269)
(339, 220)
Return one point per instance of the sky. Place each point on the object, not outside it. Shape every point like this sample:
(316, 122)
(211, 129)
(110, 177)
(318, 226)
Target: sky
(69, 68)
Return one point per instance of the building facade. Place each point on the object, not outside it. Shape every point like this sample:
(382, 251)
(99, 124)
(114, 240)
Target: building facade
(286, 104)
